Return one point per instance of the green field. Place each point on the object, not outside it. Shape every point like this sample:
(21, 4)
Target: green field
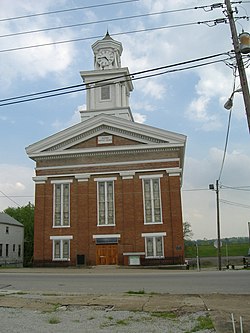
(208, 250)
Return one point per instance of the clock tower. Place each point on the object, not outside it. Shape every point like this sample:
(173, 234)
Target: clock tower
(108, 86)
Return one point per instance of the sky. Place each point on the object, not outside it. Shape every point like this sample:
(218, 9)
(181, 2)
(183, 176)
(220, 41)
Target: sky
(188, 101)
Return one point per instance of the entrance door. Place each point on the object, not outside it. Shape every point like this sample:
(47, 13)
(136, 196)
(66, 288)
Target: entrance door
(107, 254)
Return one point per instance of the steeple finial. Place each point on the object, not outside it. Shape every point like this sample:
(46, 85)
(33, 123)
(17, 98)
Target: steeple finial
(107, 36)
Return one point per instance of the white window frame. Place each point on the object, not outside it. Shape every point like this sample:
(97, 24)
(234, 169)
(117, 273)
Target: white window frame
(106, 220)
(151, 178)
(61, 240)
(62, 184)
(154, 237)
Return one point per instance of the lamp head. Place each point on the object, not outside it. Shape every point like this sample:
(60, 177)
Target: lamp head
(229, 103)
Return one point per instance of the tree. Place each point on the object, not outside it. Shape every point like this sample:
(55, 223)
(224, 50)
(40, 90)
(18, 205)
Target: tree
(25, 215)
(187, 231)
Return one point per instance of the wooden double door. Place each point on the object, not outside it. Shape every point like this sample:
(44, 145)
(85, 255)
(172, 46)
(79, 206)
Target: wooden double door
(107, 254)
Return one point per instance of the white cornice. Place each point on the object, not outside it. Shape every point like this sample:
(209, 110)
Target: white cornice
(89, 128)
(85, 176)
(111, 150)
(74, 166)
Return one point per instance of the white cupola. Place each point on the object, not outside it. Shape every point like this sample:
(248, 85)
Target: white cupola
(108, 86)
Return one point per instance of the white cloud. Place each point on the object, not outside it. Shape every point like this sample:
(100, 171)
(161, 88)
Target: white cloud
(58, 125)
(143, 105)
(198, 111)
(16, 186)
(199, 204)
(30, 64)
(139, 118)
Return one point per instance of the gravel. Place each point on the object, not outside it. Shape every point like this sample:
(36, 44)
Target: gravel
(86, 319)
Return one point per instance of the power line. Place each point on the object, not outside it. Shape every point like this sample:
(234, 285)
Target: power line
(8, 197)
(94, 37)
(91, 22)
(81, 87)
(67, 10)
(100, 21)
(232, 203)
(204, 7)
(237, 188)
(228, 128)
(113, 34)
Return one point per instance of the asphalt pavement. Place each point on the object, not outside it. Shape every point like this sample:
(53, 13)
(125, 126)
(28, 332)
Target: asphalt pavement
(219, 307)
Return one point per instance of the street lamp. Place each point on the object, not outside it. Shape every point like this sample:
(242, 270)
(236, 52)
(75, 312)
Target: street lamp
(229, 103)
(216, 189)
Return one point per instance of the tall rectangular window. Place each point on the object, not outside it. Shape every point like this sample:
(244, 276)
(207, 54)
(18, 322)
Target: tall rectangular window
(7, 250)
(19, 250)
(154, 247)
(61, 249)
(152, 200)
(105, 93)
(1, 250)
(61, 205)
(105, 195)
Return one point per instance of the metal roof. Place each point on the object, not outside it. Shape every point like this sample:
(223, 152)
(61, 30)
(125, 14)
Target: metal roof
(6, 219)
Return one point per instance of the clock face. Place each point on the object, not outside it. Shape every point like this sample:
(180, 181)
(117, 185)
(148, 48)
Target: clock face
(105, 58)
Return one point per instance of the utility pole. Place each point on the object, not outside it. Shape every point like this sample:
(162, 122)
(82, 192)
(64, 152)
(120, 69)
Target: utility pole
(239, 61)
(218, 224)
(216, 189)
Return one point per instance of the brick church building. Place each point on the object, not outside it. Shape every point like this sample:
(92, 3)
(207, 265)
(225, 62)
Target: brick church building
(108, 190)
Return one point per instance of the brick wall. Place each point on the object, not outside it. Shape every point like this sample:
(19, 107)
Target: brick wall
(129, 218)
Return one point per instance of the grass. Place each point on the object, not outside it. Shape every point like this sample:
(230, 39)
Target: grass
(21, 293)
(54, 320)
(139, 292)
(164, 315)
(122, 322)
(53, 309)
(208, 250)
(203, 323)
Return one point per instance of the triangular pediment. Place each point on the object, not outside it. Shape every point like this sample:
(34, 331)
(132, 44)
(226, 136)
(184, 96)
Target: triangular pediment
(102, 132)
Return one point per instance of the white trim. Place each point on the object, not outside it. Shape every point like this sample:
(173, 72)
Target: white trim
(107, 150)
(109, 172)
(154, 247)
(174, 174)
(61, 237)
(60, 226)
(173, 170)
(127, 174)
(40, 179)
(104, 120)
(150, 176)
(110, 164)
(106, 179)
(153, 234)
(133, 253)
(84, 177)
(56, 182)
(107, 236)
(61, 181)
